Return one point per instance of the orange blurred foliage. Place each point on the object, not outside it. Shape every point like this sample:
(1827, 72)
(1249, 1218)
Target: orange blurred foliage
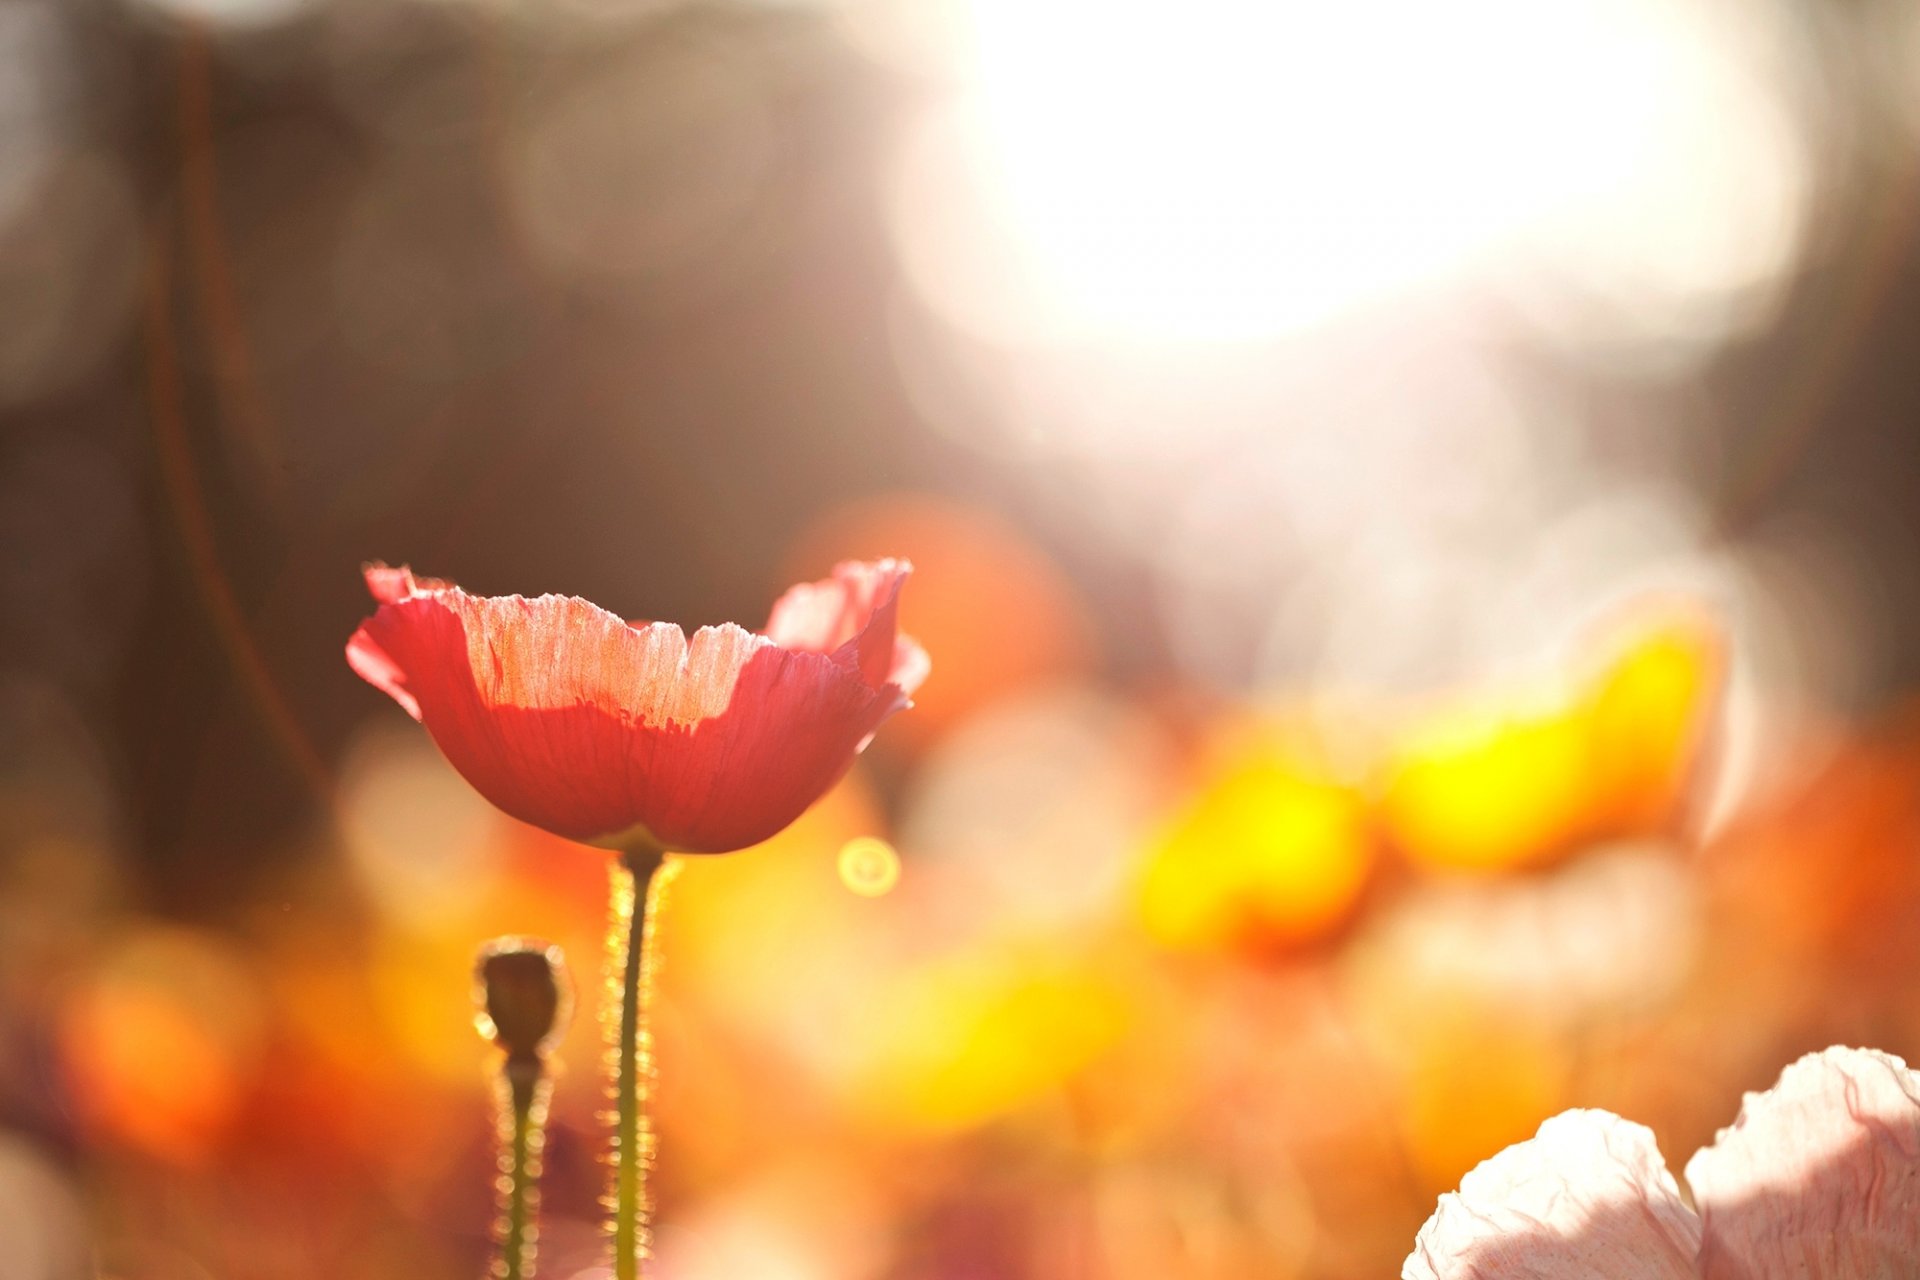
(1473, 1084)
(160, 1045)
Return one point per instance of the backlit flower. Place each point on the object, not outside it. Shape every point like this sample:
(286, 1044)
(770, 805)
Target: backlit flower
(630, 734)
(1819, 1178)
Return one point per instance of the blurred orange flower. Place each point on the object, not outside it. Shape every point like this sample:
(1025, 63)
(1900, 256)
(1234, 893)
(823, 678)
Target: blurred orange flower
(616, 733)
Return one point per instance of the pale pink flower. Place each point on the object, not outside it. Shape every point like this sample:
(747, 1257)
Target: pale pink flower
(1818, 1179)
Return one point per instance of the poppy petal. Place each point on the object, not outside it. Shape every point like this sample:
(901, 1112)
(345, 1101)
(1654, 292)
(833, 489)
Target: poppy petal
(856, 612)
(791, 729)
(910, 664)
(386, 583)
(1587, 1198)
(372, 664)
(1819, 1176)
(565, 716)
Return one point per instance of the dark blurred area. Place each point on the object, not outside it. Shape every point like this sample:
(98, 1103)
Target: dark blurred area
(369, 365)
(1308, 427)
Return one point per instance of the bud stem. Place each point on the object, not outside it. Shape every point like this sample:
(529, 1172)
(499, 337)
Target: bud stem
(522, 1000)
(642, 873)
(524, 1093)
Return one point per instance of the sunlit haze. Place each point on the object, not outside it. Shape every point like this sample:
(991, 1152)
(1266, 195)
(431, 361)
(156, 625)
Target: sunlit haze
(1412, 525)
(1227, 170)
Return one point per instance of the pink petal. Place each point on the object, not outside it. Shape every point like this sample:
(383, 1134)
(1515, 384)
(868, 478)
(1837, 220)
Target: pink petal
(373, 664)
(854, 612)
(386, 584)
(565, 716)
(911, 664)
(1587, 1198)
(1819, 1177)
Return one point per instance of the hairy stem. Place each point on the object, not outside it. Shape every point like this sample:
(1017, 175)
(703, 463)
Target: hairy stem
(524, 1089)
(642, 874)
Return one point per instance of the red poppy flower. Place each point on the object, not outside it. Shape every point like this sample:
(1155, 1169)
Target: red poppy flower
(622, 734)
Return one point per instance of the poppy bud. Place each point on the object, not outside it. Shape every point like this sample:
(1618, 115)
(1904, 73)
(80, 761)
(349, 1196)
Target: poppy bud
(523, 995)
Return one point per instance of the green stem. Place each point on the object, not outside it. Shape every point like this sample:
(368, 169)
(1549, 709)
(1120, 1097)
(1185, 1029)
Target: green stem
(647, 874)
(524, 1088)
(513, 1246)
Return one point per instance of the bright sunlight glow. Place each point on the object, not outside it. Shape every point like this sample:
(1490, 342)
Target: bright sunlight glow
(1224, 170)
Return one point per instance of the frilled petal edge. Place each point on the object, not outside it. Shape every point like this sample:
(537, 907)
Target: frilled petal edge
(387, 584)
(565, 716)
(853, 614)
(1819, 1176)
(1587, 1198)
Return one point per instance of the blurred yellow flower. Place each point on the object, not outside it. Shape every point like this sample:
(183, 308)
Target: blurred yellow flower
(1266, 856)
(1651, 718)
(1494, 783)
(1483, 788)
(975, 1035)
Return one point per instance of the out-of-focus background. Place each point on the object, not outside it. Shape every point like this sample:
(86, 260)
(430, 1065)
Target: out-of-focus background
(1416, 508)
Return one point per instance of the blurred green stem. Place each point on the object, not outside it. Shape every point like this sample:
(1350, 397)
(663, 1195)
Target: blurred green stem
(523, 1171)
(633, 1145)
